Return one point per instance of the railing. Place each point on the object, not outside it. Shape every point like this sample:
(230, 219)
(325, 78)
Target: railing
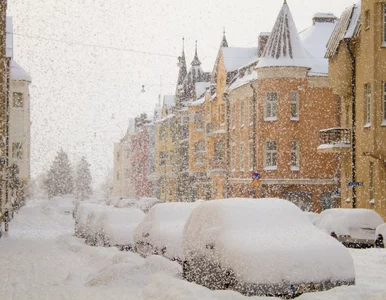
(335, 136)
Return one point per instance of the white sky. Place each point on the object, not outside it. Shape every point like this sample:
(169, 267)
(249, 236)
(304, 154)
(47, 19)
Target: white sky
(82, 97)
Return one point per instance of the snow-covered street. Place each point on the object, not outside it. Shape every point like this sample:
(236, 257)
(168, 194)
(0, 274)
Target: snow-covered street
(41, 259)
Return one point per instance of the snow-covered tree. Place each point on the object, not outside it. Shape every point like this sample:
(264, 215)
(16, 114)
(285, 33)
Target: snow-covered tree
(59, 178)
(83, 180)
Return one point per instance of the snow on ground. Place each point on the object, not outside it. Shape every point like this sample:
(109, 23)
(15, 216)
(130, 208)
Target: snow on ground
(40, 259)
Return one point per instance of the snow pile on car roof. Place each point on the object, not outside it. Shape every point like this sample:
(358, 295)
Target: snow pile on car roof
(265, 241)
(163, 227)
(343, 221)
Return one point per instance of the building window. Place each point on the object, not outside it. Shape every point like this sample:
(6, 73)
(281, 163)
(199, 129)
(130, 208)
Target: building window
(162, 133)
(384, 104)
(233, 114)
(271, 155)
(17, 151)
(295, 155)
(118, 156)
(371, 185)
(250, 156)
(250, 111)
(222, 113)
(199, 159)
(367, 19)
(271, 107)
(218, 150)
(18, 100)
(367, 104)
(198, 121)
(242, 154)
(118, 175)
(294, 106)
(242, 113)
(384, 23)
(199, 146)
(163, 157)
(233, 158)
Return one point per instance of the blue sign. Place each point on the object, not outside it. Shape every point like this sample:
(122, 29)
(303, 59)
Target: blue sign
(354, 184)
(255, 176)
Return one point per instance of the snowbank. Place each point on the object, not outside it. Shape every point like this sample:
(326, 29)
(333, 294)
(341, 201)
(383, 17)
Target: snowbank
(312, 216)
(264, 241)
(357, 223)
(161, 230)
(146, 203)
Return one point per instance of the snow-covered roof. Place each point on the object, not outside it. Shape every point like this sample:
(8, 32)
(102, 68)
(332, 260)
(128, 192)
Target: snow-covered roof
(169, 101)
(201, 88)
(314, 40)
(168, 117)
(241, 81)
(235, 58)
(197, 102)
(346, 28)
(284, 47)
(18, 73)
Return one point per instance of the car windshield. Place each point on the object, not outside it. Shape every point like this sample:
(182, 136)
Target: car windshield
(192, 149)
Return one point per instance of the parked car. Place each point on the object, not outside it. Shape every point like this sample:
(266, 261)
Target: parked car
(380, 236)
(261, 247)
(161, 230)
(82, 219)
(355, 228)
(115, 226)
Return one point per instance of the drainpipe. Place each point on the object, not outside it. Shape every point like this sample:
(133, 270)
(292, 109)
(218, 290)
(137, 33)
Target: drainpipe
(225, 96)
(254, 143)
(353, 124)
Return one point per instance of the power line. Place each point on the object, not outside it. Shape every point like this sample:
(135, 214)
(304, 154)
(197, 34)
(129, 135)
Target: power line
(93, 45)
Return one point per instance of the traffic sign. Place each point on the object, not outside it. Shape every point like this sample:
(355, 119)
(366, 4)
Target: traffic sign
(354, 184)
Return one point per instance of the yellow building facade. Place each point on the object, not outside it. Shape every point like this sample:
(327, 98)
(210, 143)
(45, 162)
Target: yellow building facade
(357, 61)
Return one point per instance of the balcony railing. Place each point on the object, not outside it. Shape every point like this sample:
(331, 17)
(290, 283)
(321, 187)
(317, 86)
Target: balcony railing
(335, 138)
(217, 164)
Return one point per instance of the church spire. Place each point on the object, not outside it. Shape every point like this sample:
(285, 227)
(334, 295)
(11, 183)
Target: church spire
(224, 42)
(196, 62)
(182, 64)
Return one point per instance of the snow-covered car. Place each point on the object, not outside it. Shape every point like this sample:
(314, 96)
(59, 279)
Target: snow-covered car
(354, 227)
(62, 204)
(161, 230)
(146, 203)
(82, 219)
(312, 216)
(380, 236)
(115, 227)
(261, 247)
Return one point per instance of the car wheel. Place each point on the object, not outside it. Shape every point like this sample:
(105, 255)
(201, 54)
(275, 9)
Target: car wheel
(379, 243)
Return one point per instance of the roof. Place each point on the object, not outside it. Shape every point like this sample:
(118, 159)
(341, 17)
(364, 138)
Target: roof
(315, 39)
(169, 101)
(18, 73)
(241, 81)
(346, 28)
(284, 47)
(234, 58)
(201, 88)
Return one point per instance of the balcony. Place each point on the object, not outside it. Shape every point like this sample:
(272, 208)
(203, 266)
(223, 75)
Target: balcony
(335, 140)
(215, 129)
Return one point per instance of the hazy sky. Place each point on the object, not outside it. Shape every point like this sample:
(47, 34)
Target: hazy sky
(82, 97)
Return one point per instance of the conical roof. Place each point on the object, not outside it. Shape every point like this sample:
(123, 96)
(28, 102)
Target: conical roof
(224, 42)
(284, 47)
(196, 62)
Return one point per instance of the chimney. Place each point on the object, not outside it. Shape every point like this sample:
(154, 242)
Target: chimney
(324, 18)
(262, 42)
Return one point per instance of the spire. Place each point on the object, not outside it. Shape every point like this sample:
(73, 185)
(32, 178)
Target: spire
(284, 47)
(196, 62)
(224, 42)
(182, 64)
